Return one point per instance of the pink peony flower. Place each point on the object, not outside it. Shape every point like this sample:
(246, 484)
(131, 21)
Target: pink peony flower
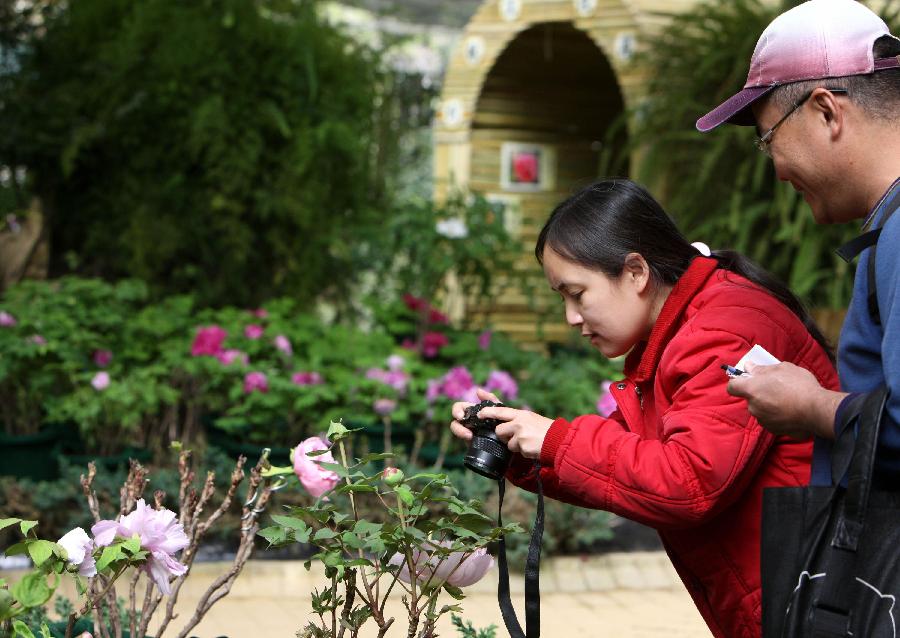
(416, 304)
(80, 547)
(457, 383)
(161, 535)
(102, 358)
(208, 341)
(384, 407)
(606, 404)
(307, 378)
(434, 390)
(395, 362)
(7, 320)
(484, 340)
(314, 478)
(437, 317)
(253, 331)
(284, 345)
(456, 569)
(260, 313)
(254, 381)
(227, 357)
(38, 340)
(432, 342)
(408, 344)
(100, 381)
(503, 383)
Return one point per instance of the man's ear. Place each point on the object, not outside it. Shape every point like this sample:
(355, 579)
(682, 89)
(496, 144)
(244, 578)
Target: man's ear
(636, 272)
(829, 110)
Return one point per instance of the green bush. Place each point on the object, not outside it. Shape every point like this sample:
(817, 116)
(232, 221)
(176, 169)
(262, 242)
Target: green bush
(222, 147)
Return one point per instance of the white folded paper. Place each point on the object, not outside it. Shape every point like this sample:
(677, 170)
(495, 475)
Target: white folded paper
(758, 355)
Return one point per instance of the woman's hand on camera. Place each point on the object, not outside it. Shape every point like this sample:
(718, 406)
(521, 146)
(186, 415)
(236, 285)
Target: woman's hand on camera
(523, 431)
(458, 411)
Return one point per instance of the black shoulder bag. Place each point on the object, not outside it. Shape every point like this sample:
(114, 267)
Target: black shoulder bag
(831, 555)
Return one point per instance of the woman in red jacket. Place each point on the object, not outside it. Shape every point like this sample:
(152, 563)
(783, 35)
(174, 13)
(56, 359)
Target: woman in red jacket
(679, 454)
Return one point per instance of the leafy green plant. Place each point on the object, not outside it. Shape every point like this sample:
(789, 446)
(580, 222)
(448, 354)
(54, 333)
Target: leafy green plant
(406, 546)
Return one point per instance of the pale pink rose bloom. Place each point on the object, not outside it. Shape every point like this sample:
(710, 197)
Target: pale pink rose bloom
(454, 569)
(606, 404)
(384, 407)
(85, 634)
(102, 358)
(253, 331)
(314, 478)
(100, 381)
(7, 320)
(161, 535)
(80, 547)
(395, 362)
(254, 381)
(227, 357)
(284, 345)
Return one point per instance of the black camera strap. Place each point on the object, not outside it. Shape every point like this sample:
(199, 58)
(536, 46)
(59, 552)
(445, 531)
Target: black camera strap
(532, 573)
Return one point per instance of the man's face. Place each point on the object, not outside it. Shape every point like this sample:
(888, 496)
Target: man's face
(805, 153)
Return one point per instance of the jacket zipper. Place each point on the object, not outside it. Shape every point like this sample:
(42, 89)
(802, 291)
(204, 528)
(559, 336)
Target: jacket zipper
(640, 394)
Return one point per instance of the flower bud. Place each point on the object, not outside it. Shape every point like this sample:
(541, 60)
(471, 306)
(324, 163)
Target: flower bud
(393, 476)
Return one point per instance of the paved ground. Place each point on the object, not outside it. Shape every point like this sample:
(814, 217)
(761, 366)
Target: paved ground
(628, 595)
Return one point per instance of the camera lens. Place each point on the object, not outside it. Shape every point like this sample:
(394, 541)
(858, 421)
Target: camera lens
(487, 455)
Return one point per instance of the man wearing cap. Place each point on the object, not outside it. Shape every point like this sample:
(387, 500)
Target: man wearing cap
(824, 94)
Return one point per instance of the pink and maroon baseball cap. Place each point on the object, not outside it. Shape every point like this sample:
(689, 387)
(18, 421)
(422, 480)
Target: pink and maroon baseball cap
(817, 39)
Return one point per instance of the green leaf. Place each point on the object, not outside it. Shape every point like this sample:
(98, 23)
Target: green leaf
(45, 631)
(455, 592)
(290, 522)
(274, 535)
(365, 528)
(405, 494)
(110, 554)
(277, 471)
(32, 590)
(6, 522)
(6, 602)
(324, 534)
(336, 432)
(21, 629)
(337, 468)
(132, 545)
(19, 548)
(27, 526)
(40, 551)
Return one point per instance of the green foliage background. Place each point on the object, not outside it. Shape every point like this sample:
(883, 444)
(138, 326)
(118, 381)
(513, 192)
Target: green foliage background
(219, 146)
(720, 189)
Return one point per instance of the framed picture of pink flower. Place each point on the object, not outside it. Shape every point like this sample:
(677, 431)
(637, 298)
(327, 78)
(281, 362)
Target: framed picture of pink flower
(526, 167)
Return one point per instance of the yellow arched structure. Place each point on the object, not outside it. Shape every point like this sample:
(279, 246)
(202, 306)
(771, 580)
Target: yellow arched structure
(530, 92)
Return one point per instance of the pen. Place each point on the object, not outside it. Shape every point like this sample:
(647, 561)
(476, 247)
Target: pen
(731, 371)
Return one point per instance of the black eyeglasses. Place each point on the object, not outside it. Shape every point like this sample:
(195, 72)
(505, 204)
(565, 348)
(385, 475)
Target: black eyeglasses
(763, 142)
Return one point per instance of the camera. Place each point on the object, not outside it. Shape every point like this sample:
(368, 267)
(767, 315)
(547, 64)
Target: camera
(487, 455)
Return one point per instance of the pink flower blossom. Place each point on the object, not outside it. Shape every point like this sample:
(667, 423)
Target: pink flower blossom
(435, 387)
(437, 317)
(484, 339)
(606, 404)
(503, 383)
(384, 407)
(457, 382)
(260, 313)
(102, 358)
(254, 381)
(457, 569)
(253, 331)
(161, 535)
(395, 363)
(7, 320)
(307, 378)
(416, 304)
(432, 342)
(38, 340)
(208, 341)
(100, 381)
(227, 357)
(80, 547)
(284, 345)
(314, 478)
(396, 379)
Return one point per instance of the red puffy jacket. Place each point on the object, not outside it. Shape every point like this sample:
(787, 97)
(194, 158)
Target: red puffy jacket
(682, 455)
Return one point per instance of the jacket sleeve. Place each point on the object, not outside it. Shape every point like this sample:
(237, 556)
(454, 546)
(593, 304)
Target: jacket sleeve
(705, 450)
(888, 290)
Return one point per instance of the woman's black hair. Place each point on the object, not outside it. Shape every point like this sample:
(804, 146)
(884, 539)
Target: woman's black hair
(601, 224)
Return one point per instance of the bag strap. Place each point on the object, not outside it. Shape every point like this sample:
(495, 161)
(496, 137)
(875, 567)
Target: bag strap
(831, 612)
(852, 248)
(532, 573)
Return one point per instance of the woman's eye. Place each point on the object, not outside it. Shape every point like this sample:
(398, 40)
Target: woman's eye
(577, 295)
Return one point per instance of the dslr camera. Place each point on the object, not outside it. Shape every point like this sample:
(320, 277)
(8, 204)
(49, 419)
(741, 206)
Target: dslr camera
(487, 455)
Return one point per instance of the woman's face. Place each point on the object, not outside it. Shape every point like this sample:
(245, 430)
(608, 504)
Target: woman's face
(613, 313)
